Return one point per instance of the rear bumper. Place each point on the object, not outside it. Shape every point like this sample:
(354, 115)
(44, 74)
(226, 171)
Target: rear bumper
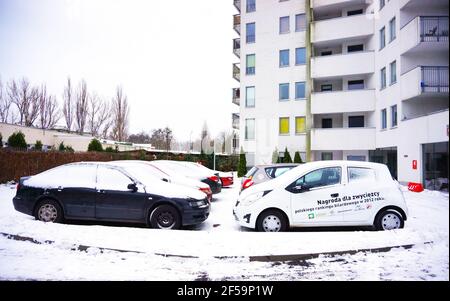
(215, 187)
(22, 206)
(227, 181)
(195, 216)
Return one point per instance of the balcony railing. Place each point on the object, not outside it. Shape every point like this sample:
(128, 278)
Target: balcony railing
(434, 79)
(237, 96)
(235, 121)
(237, 47)
(433, 29)
(237, 4)
(236, 72)
(237, 23)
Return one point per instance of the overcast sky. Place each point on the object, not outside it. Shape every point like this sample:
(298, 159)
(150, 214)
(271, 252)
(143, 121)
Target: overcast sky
(172, 58)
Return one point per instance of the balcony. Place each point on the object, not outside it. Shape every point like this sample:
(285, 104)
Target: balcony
(430, 127)
(425, 34)
(341, 29)
(425, 81)
(237, 4)
(237, 23)
(343, 101)
(355, 63)
(343, 139)
(335, 4)
(237, 96)
(235, 121)
(236, 72)
(237, 47)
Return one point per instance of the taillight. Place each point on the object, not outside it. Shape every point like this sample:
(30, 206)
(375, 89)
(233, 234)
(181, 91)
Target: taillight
(206, 190)
(214, 178)
(247, 183)
(17, 186)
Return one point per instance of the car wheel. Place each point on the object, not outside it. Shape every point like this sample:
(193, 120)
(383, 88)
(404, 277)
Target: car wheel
(165, 217)
(49, 211)
(271, 221)
(389, 220)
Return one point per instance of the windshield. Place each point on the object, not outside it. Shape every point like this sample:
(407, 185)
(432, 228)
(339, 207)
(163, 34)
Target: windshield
(141, 173)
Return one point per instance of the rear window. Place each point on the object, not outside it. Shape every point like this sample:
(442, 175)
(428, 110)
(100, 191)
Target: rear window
(360, 174)
(275, 172)
(251, 172)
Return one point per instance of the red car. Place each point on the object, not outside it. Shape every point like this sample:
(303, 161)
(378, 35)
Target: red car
(226, 178)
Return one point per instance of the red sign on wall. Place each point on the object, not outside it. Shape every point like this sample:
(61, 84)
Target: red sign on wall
(414, 164)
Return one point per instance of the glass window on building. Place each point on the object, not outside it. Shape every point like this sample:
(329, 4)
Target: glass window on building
(300, 56)
(284, 126)
(383, 119)
(284, 58)
(251, 6)
(393, 69)
(300, 90)
(300, 125)
(382, 3)
(392, 30)
(284, 91)
(300, 22)
(284, 25)
(250, 97)
(327, 123)
(394, 116)
(355, 48)
(435, 166)
(250, 33)
(355, 12)
(326, 156)
(356, 121)
(383, 78)
(326, 88)
(249, 129)
(356, 84)
(382, 38)
(250, 64)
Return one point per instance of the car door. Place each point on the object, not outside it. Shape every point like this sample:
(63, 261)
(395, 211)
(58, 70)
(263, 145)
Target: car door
(315, 197)
(75, 189)
(115, 201)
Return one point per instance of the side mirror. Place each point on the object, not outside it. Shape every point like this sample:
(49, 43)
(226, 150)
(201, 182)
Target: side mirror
(298, 188)
(165, 180)
(132, 187)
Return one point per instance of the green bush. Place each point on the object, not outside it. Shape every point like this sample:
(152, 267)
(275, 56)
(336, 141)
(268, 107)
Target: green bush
(69, 149)
(242, 167)
(95, 146)
(17, 139)
(110, 149)
(38, 145)
(287, 157)
(61, 147)
(1, 140)
(275, 156)
(297, 157)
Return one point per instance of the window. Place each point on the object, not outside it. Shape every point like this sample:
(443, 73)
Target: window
(392, 30)
(354, 48)
(112, 179)
(300, 22)
(250, 69)
(355, 12)
(393, 67)
(250, 97)
(284, 25)
(359, 174)
(284, 91)
(394, 116)
(284, 126)
(382, 38)
(383, 119)
(250, 129)
(326, 156)
(300, 125)
(356, 121)
(284, 58)
(327, 87)
(300, 56)
(383, 78)
(300, 90)
(382, 3)
(250, 38)
(55, 177)
(321, 178)
(327, 123)
(356, 84)
(280, 170)
(325, 53)
(251, 6)
(356, 158)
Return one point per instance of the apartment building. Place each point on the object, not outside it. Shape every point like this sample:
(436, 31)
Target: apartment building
(345, 79)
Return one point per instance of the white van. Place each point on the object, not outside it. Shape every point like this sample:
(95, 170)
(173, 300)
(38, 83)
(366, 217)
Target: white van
(324, 193)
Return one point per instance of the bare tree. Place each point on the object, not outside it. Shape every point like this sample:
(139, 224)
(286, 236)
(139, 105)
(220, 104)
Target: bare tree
(49, 113)
(98, 114)
(81, 107)
(26, 98)
(120, 112)
(69, 105)
(5, 106)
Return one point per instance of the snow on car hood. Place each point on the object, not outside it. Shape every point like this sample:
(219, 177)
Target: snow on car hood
(172, 190)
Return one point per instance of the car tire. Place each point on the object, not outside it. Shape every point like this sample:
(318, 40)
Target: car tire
(389, 220)
(165, 217)
(271, 221)
(49, 211)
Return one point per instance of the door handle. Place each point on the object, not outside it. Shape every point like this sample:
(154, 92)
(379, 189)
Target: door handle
(334, 195)
(101, 191)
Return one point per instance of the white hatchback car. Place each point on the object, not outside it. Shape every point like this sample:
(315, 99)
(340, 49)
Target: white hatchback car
(324, 193)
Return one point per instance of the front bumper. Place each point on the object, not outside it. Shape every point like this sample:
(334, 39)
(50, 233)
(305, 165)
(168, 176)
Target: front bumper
(244, 217)
(196, 215)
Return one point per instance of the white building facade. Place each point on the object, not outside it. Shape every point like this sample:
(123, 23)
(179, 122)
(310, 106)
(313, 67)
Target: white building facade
(346, 79)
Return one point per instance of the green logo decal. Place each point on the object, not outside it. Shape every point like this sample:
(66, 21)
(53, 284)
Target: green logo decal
(311, 215)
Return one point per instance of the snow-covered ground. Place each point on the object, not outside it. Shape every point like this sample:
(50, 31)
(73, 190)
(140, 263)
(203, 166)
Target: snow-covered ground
(219, 249)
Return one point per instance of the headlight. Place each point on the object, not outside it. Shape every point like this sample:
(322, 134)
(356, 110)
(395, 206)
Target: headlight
(247, 201)
(197, 204)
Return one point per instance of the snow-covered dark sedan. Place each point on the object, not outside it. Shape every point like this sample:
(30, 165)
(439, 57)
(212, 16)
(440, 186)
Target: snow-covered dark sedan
(102, 191)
